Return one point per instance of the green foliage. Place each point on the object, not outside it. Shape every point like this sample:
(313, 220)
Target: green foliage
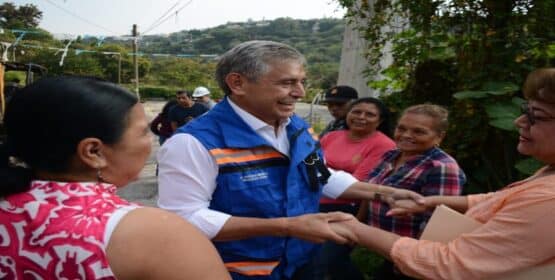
(24, 16)
(320, 41)
(470, 56)
(366, 260)
(157, 92)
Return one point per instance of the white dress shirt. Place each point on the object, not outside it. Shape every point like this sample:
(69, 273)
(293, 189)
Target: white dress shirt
(187, 174)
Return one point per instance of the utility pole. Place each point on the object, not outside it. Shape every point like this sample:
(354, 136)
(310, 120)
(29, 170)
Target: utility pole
(119, 69)
(135, 60)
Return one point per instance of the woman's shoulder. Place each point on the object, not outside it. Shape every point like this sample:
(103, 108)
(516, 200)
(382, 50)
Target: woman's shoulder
(381, 138)
(334, 136)
(439, 157)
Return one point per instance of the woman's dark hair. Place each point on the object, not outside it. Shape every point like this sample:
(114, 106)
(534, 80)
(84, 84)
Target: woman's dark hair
(166, 109)
(46, 121)
(385, 115)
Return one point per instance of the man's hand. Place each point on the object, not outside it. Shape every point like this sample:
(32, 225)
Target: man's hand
(346, 229)
(316, 227)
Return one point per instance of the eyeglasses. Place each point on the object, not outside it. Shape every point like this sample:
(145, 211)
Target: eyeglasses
(532, 118)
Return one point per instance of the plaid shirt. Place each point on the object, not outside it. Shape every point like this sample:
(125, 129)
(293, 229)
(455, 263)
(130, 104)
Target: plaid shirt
(431, 173)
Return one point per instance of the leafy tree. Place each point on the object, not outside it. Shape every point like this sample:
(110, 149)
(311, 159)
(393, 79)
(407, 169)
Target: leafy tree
(25, 16)
(468, 55)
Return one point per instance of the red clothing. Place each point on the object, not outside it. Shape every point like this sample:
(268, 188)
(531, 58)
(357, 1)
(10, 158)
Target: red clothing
(356, 157)
(58, 231)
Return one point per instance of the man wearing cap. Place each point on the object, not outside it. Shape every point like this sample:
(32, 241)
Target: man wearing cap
(202, 95)
(338, 99)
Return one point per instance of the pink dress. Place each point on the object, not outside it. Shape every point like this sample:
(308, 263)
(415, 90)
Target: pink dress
(59, 230)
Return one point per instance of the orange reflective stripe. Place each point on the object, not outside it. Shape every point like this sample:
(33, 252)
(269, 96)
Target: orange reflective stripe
(224, 156)
(313, 134)
(252, 268)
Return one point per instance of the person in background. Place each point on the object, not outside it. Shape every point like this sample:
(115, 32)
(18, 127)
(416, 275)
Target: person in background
(517, 221)
(419, 165)
(161, 125)
(356, 150)
(202, 95)
(249, 174)
(59, 215)
(337, 100)
(185, 110)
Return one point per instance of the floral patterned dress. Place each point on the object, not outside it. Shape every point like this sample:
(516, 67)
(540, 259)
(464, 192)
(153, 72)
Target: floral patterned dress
(59, 230)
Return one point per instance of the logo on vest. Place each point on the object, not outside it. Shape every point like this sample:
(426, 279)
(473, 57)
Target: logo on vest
(254, 177)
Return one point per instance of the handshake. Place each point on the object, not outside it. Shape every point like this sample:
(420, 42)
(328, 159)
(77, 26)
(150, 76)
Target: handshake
(341, 227)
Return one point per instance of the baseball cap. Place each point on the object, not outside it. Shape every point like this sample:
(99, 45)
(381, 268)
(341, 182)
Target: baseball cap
(340, 94)
(200, 91)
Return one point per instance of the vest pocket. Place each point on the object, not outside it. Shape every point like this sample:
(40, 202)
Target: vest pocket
(254, 194)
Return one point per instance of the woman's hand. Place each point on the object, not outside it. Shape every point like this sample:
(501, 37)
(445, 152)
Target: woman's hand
(403, 194)
(405, 207)
(405, 202)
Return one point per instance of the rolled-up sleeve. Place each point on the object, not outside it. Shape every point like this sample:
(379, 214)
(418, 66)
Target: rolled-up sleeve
(338, 182)
(517, 236)
(186, 180)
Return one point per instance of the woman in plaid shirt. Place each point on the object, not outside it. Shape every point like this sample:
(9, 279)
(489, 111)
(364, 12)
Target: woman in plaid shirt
(419, 165)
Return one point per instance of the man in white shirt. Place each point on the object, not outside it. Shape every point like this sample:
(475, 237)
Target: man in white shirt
(249, 174)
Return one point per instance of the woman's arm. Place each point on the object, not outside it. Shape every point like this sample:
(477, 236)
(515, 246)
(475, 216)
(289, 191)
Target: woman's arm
(400, 206)
(517, 236)
(150, 243)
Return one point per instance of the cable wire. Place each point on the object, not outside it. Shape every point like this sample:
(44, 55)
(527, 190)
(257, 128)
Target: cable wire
(168, 17)
(163, 15)
(81, 18)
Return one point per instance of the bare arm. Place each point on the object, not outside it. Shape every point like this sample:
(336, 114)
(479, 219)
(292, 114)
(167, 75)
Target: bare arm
(310, 227)
(369, 191)
(150, 243)
(402, 207)
(375, 239)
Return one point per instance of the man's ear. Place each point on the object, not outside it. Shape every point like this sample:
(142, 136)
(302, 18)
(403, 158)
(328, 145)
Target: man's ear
(235, 82)
(90, 152)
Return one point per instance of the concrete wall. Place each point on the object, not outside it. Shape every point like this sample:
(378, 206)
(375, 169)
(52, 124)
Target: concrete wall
(353, 62)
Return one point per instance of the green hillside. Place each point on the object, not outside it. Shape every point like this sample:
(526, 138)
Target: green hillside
(181, 60)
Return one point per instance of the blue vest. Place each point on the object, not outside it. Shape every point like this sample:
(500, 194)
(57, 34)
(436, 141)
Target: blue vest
(255, 180)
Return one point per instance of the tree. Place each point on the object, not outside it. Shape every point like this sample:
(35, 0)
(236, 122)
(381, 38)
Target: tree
(470, 56)
(26, 16)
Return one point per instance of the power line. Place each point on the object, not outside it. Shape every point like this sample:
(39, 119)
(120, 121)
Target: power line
(80, 18)
(168, 17)
(164, 14)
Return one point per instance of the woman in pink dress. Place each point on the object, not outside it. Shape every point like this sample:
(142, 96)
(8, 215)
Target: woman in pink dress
(71, 142)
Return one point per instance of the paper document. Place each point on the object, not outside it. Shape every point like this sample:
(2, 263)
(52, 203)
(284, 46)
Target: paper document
(446, 224)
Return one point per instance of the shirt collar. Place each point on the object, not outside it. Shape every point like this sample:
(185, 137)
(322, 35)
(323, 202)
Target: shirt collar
(255, 123)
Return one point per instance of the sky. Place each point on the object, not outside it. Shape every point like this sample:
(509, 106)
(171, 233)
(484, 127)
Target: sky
(116, 17)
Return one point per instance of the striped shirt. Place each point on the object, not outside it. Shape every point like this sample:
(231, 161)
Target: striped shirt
(431, 173)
